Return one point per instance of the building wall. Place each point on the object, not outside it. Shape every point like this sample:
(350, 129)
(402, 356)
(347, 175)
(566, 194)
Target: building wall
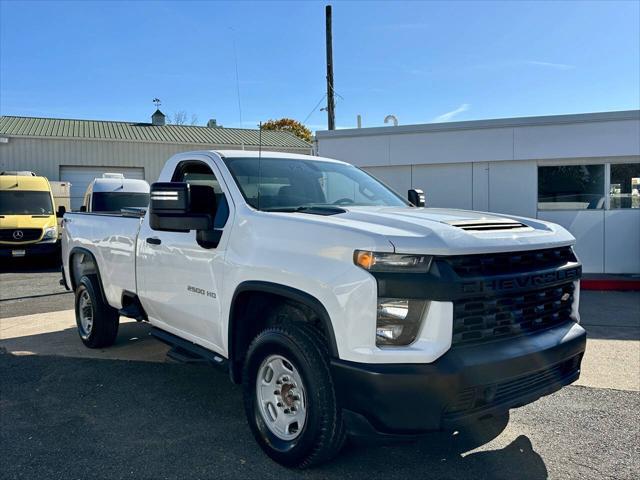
(457, 143)
(45, 156)
(484, 186)
(493, 166)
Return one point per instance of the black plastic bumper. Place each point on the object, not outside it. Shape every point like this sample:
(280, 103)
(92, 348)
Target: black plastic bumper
(465, 384)
(30, 250)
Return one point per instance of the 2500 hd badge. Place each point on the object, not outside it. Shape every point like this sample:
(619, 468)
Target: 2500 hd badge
(201, 291)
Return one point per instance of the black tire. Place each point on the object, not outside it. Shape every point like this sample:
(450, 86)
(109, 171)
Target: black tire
(323, 433)
(105, 319)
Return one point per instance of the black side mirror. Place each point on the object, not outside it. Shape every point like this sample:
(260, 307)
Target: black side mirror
(83, 208)
(180, 207)
(416, 197)
(61, 211)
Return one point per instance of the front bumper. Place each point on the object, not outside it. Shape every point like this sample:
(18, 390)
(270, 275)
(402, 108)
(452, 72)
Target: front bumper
(30, 250)
(466, 383)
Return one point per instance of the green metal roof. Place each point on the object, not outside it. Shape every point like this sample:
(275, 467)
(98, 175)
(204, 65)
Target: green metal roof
(144, 132)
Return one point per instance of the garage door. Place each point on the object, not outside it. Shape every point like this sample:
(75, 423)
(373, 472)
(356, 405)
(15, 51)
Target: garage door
(81, 177)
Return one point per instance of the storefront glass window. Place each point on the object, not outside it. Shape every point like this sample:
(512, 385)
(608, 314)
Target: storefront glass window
(624, 190)
(571, 187)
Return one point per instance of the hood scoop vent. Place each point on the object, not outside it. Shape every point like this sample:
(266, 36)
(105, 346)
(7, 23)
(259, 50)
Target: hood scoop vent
(490, 225)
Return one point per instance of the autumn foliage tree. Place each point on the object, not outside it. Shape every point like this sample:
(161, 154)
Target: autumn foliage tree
(289, 125)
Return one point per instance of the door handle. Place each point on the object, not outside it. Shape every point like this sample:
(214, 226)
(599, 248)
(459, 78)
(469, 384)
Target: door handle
(154, 241)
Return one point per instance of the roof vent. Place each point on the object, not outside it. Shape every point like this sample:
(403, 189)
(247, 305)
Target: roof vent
(113, 175)
(490, 225)
(158, 119)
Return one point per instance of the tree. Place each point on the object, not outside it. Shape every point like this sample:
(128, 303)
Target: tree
(180, 118)
(291, 126)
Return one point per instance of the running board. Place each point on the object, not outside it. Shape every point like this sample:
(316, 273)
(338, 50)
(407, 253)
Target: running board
(184, 351)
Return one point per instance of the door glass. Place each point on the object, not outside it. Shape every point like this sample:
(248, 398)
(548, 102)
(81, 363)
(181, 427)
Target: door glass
(624, 189)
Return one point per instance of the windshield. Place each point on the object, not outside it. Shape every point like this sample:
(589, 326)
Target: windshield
(289, 184)
(114, 202)
(25, 202)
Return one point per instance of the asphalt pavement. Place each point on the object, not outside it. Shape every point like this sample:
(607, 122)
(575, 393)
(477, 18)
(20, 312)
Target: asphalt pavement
(123, 412)
(29, 286)
(84, 418)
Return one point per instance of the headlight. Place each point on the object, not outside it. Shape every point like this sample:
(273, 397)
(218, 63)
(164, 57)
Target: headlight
(392, 262)
(398, 321)
(50, 233)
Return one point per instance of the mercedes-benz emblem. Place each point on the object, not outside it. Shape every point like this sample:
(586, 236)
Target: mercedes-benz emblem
(18, 234)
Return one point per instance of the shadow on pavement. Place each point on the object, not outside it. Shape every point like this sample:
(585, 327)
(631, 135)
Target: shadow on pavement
(133, 343)
(611, 315)
(84, 418)
(30, 264)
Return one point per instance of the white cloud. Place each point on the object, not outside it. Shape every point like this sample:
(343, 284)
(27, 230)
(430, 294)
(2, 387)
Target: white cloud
(404, 26)
(558, 66)
(445, 117)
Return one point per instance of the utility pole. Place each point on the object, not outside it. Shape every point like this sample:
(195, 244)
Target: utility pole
(331, 115)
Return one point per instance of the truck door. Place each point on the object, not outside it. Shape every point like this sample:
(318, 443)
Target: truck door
(179, 281)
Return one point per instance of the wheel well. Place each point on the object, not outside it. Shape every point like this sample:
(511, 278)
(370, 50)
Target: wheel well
(253, 310)
(82, 262)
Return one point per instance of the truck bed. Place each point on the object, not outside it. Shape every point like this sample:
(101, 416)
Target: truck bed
(111, 238)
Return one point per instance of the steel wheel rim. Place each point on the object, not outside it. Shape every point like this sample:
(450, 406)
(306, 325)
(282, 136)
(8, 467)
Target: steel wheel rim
(281, 397)
(85, 312)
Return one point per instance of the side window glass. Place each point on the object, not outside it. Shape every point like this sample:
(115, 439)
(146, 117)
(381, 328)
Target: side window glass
(571, 187)
(199, 173)
(624, 187)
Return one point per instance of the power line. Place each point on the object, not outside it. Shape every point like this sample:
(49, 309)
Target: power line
(315, 108)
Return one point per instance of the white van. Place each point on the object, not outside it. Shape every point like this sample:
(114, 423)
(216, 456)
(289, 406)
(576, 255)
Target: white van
(113, 192)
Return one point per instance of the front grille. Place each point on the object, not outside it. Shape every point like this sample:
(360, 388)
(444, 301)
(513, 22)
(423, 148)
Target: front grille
(28, 234)
(483, 397)
(486, 318)
(511, 262)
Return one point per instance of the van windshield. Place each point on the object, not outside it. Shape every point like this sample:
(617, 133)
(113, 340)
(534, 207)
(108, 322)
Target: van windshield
(25, 202)
(115, 201)
(283, 184)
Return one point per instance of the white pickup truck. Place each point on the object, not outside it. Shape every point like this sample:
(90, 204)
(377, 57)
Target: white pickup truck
(339, 306)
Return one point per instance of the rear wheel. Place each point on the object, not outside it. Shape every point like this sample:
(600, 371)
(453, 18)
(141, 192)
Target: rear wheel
(289, 396)
(97, 321)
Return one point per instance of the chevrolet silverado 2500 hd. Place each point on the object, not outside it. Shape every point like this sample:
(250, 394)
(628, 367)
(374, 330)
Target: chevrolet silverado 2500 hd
(339, 306)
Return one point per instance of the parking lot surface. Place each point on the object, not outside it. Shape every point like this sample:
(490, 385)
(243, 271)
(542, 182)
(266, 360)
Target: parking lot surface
(80, 418)
(27, 286)
(124, 412)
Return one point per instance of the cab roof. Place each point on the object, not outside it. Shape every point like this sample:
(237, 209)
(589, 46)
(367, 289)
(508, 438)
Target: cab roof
(270, 154)
(18, 182)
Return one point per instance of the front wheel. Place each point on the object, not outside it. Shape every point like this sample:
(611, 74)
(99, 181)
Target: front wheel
(289, 396)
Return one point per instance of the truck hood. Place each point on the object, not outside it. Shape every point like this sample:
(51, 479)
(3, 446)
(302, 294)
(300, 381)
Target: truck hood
(441, 231)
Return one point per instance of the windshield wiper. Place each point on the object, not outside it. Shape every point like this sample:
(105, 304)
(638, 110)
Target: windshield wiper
(311, 209)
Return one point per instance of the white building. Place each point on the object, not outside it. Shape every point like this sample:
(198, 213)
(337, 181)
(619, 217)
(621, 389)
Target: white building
(77, 151)
(581, 171)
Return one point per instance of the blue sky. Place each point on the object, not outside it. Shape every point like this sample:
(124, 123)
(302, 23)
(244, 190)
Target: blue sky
(422, 61)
